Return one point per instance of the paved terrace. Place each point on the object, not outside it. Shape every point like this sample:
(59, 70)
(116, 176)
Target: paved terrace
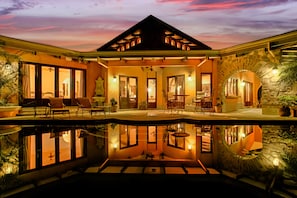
(244, 116)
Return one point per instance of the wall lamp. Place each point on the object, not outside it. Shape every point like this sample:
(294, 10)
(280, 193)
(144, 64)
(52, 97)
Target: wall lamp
(190, 77)
(115, 146)
(190, 147)
(114, 79)
(274, 69)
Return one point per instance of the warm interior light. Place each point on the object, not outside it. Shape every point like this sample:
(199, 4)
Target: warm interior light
(66, 137)
(114, 78)
(190, 147)
(275, 162)
(115, 146)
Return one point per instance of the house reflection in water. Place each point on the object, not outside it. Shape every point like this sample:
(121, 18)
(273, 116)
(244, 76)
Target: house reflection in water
(244, 140)
(43, 146)
(50, 150)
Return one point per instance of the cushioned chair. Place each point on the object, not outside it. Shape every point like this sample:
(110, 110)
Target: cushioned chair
(84, 104)
(56, 105)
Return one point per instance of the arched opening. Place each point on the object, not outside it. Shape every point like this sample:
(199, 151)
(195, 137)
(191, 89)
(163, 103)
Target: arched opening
(241, 90)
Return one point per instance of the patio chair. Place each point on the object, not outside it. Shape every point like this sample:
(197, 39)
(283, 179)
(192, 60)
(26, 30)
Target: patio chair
(206, 104)
(84, 104)
(198, 100)
(56, 105)
(171, 102)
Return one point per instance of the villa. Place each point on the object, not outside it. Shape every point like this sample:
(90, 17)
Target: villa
(180, 82)
(152, 64)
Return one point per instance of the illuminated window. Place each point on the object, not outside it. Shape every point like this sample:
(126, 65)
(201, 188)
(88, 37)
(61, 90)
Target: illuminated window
(48, 82)
(64, 83)
(128, 136)
(127, 45)
(173, 42)
(167, 40)
(65, 146)
(138, 41)
(48, 149)
(79, 83)
(231, 87)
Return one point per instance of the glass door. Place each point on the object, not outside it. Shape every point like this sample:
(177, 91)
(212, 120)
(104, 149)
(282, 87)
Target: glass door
(128, 92)
(151, 92)
(176, 91)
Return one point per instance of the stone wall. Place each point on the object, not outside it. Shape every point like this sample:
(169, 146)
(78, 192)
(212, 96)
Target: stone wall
(279, 142)
(261, 63)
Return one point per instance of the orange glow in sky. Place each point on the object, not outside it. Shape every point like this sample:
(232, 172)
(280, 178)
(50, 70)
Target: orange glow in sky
(87, 25)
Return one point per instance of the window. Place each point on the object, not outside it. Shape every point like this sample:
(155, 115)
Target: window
(128, 136)
(231, 87)
(176, 141)
(48, 149)
(47, 81)
(51, 146)
(152, 134)
(64, 83)
(128, 92)
(205, 131)
(151, 92)
(175, 90)
(79, 83)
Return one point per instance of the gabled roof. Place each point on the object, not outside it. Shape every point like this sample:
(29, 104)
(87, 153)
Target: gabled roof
(153, 34)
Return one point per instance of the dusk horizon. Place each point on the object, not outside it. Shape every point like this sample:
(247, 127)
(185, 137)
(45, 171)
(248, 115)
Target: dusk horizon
(87, 25)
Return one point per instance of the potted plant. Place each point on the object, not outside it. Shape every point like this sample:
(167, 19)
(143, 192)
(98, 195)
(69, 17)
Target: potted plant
(143, 105)
(9, 88)
(114, 105)
(218, 106)
(287, 103)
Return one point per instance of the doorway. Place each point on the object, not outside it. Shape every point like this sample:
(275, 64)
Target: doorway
(151, 92)
(128, 92)
(176, 91)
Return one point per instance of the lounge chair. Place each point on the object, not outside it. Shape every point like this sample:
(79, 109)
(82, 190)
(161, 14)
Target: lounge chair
(56, 105)
(84, 104)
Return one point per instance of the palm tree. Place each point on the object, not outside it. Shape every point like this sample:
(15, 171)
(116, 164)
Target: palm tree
(288, 74)
(8, 79)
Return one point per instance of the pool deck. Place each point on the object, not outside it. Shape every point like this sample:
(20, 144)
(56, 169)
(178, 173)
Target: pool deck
(244, 116)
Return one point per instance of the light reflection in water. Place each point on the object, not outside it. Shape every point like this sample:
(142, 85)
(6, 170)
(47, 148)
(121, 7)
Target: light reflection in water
(42, 146)
(244, 140)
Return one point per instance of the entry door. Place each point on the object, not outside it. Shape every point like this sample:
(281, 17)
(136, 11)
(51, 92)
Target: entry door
(128, 92)
(151, 92)
(248, 93)
(176, 90)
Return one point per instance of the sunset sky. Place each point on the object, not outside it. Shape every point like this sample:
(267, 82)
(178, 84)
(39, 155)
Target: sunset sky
(85, 25)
